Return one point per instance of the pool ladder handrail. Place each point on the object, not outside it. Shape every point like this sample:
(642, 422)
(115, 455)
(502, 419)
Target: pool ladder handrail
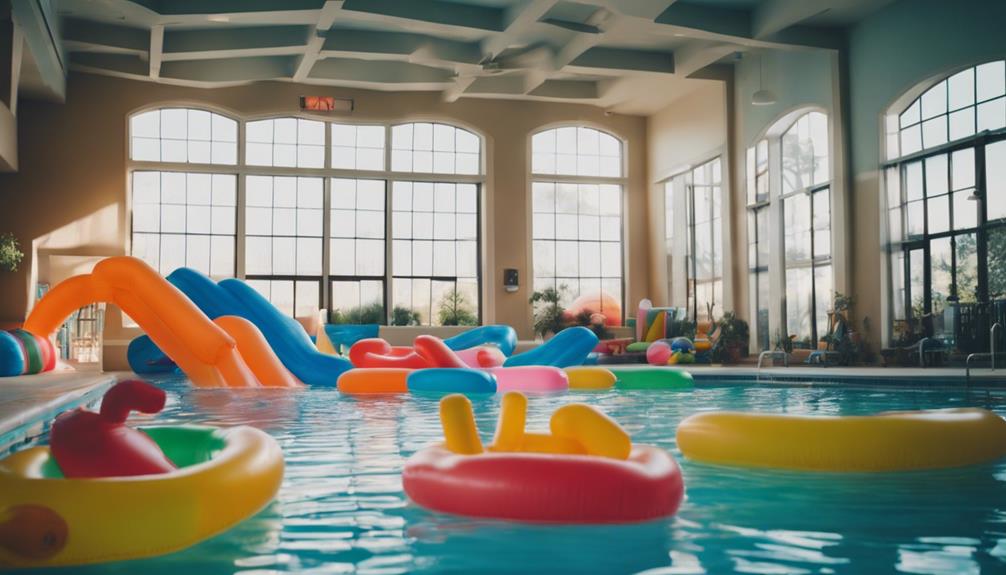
(991, 355)
(773, 353)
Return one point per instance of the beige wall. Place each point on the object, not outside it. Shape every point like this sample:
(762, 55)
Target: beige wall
(69, 197)
(689, 131)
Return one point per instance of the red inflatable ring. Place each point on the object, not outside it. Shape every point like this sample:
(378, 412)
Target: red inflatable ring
(539, 487)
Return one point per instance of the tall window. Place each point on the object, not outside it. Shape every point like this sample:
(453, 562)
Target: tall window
(946, 198)
(312, 200)
(806, 197)
(698, 192)
(758, 240)
(577, 181)
(184, 197)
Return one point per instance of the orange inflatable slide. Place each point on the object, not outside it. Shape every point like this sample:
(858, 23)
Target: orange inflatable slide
(230, 352)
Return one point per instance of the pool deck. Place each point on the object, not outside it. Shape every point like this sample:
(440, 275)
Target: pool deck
(29, 403)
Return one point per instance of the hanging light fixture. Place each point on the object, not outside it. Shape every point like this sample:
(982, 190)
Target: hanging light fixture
(762, 97)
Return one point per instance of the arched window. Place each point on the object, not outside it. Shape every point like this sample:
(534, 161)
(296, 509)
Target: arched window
(946, 197)
(183, 192)
(789, 181)
(313, 204)
(577, 182)
(183, 135)
(698, 193)
(435, 223)
(806, 197)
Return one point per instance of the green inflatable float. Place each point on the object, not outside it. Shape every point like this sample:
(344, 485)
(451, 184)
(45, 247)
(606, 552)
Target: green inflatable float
(652, 378)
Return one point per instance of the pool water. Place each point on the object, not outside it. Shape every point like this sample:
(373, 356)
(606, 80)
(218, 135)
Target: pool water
(342, 510)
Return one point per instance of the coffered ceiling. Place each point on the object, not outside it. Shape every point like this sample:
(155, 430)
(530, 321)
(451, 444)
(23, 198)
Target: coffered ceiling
(630, 56)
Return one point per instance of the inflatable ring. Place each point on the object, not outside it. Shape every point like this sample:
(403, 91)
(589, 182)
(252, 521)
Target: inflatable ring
(652, 378)
(893, 441)
(540, 487)
(224, 477)
(585, 471)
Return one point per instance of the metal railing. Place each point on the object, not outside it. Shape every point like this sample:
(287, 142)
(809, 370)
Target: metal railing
(774, 354)
(991, 355)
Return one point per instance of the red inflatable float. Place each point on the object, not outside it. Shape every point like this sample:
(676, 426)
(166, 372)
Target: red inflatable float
(88, 444)
(540, 487)
(585, 471)
(426, 351)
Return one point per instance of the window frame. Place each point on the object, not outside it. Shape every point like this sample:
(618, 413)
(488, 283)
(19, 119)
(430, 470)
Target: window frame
(622, 182)
(814, 262)
(242, 170)
(905, 247)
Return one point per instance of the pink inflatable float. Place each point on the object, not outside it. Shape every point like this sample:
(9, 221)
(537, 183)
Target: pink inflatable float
(530, 378)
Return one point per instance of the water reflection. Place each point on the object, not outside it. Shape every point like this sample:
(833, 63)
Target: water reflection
(342, 509)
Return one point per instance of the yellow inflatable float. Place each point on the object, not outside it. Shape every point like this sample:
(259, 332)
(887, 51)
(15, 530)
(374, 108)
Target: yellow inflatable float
(893, 441)
(590, 377)
(224, 476)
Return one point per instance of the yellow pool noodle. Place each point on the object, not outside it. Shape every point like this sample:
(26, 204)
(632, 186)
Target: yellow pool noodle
(460, 433)
(598, 433)
(510, 427)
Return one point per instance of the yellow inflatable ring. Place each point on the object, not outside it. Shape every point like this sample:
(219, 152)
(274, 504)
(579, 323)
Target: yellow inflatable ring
(224, 477)
(893, 441)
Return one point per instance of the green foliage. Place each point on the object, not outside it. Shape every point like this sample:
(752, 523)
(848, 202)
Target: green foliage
(454, 310)
(370, 313)
(401, 315)
(10, 252)
(734, 336)
(548, 311)
(842, 303)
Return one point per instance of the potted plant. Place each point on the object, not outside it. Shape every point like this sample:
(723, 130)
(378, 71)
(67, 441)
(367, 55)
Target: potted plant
(10, 252)
(548, 311)
(733, 340)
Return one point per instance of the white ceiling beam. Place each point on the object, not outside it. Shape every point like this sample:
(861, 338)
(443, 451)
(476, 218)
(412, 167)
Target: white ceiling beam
(460, 85)
(698, 54)
(326, 17)
(571, 51)
(519, 18)
(156, 50)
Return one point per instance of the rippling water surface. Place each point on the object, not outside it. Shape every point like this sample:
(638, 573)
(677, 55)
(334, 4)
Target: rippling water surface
(342, 510)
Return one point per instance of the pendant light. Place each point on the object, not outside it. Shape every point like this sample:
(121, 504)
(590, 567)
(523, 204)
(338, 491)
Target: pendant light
(762, 97)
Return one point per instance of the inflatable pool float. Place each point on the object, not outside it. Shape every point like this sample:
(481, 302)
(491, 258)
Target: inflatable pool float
(533, 378)
(426, 351)
(451, 380)
(585, 471)
(569, 347)
(893, 441)
(502, 337)
(374, 380)
(652, 378)
(178, 486)
(590, 377)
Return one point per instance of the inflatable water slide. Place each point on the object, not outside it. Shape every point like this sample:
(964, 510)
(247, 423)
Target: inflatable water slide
(227, 351)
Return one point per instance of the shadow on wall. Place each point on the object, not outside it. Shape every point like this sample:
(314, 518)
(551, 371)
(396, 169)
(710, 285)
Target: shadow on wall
(67, 251)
